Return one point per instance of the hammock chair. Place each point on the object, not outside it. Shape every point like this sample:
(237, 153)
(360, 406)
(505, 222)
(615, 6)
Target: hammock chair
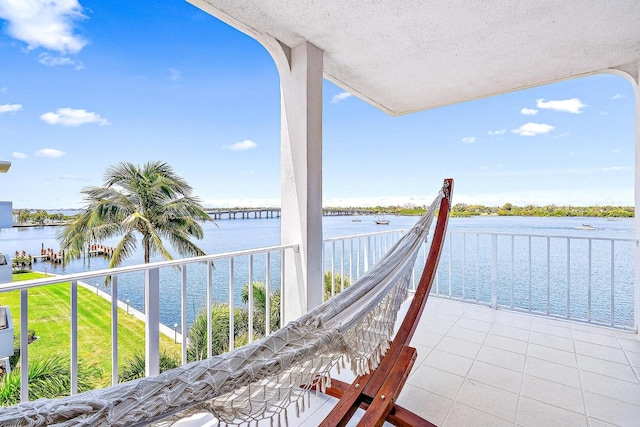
(269, 377)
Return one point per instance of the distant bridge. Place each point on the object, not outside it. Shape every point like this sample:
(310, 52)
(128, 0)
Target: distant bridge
(248, 213)
(243, 213)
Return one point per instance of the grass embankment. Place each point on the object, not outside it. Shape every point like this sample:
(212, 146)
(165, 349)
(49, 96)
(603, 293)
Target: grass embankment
(49, 315)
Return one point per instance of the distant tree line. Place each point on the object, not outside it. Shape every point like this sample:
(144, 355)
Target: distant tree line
(465, 210)
(462, 209)
(40, 216)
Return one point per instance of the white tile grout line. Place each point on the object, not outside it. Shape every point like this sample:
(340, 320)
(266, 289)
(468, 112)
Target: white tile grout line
(635, 371)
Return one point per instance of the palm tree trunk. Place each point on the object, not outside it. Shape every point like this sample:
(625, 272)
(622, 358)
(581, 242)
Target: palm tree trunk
(147, 248)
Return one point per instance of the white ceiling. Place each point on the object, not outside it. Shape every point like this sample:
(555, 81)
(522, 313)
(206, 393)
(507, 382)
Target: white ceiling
(410, 55)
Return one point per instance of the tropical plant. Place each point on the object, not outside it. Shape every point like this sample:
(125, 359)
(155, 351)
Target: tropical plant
(335, 282)
(197, 337)
(150, 200)
(49, 377)
(259, 304)
(134, 366)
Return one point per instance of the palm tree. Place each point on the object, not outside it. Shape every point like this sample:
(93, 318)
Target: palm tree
(134, 366)
(339, 284)
(259, 307)
(49, 377)
(151, 200)
(198, 337)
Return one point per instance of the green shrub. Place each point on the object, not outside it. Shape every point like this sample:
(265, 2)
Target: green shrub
(49, 377)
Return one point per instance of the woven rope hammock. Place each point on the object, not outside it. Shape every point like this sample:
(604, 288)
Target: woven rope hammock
(264, 379)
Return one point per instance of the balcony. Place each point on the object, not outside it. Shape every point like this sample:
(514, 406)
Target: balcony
(486, 367)
(491, 350)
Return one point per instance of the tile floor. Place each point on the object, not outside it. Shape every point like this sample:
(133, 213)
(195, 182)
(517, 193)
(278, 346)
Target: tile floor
(482, 367)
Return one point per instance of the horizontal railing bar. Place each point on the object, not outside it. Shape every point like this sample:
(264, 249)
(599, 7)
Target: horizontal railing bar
(136, 268)
(553, 236)
(355, 236)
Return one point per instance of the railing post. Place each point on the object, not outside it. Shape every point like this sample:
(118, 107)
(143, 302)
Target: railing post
(494, 271)
(152, 325)
(232, 332)
(568, 278)
(209, 308)
(74, 337)
(367, 244)
(267, 294)
(114, 330)
(613, 281)
(332, 269)
(250, 301)
(548, 275)
(24, 343)
(478, 269)
(183, 313)
(589, 285)
(342, 268)
(513, 264)
(464, 263)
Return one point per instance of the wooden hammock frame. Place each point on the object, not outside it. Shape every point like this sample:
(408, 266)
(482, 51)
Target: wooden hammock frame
(378, 391)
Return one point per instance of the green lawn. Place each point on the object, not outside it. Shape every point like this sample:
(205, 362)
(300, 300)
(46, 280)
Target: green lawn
(49, 316)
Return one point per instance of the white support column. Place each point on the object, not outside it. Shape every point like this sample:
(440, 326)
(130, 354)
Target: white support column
(631, 72)
(635, 81)
(301, 175)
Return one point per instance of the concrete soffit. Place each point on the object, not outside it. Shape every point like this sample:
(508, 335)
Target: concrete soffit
(479, 64)
(630, 70)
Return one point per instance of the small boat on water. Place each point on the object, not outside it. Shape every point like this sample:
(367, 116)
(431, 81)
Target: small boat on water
(381, 221)
(584, 227)
(356, 220)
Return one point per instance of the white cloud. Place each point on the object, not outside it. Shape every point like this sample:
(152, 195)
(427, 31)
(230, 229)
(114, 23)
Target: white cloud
(469, 140)
(573, 105)
(616, 168)
(50, 152)
(44, 23)
(497, 132)
(18, 155)
(73, 117)
(175, 75)
(10, 108)
(618, 96)
(529, 111)
(241, 145)
(616, 150)
(3, 89)
(532, 129)
(560, 135)
(54, 61)
(340, 97)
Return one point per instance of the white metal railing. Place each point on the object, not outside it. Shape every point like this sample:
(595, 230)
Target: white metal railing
(152, 291)
(588, 279)
(578, 278)
(351, 256)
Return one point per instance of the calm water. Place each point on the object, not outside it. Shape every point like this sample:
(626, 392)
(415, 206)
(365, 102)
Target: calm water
(468, 272)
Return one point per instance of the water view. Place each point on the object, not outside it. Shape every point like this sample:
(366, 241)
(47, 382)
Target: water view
(530, 272)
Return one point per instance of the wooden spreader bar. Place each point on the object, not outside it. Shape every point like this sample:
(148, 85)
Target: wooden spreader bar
(378, 391)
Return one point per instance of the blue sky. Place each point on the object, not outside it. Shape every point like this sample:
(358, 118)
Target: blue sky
(84, 85)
